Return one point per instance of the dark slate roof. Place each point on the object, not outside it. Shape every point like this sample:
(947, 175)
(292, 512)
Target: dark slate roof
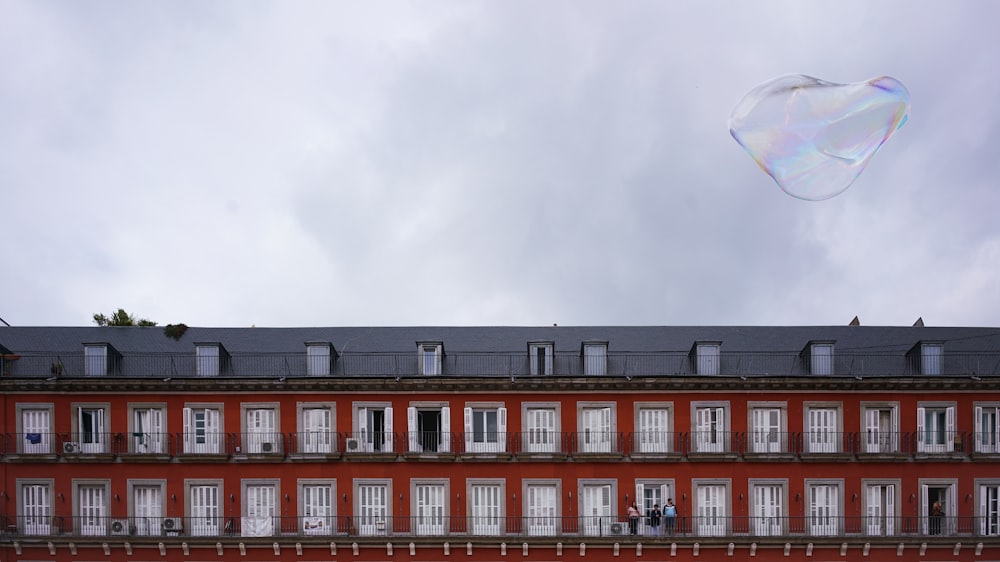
(507, 339)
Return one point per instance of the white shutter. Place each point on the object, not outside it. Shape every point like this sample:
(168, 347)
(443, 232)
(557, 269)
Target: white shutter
(502, 429)
(923, 501)
(979, 437)
(388, 429)
(894, 430)
(362, 435)
(468, 429)
(212, 430)
(921, 430)
(640, 495)
(445, 446)
(872, 428)
(949, 428)
(890, 509)
(411, 429)
(187, 415)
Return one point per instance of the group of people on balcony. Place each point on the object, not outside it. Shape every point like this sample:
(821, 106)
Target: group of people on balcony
(668, 516)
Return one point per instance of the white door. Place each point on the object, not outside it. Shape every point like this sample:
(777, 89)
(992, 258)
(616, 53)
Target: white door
(148, 510)
(201, 431)
(653, 433)
(93, 517)
(989, 510)
(260, 513)
(710, 430)
(881, 426)
(37, 434)
(317, 425)
(373, 510)
(823, 436)
(987, 430)
(486, 514)
(768, 516)
(90, 425)
(823, 512)
(767, 430)
(650, 495)
(37, 510)
(880, 510)
(711, 511)
(317, 510)
(430, 509)
(205, 510)
(260, 436)
(147, 431)
(541, 510)
(597, 511)
(596, 436)
(541, 434)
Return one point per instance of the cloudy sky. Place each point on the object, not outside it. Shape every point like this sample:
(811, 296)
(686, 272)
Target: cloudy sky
(483, 163)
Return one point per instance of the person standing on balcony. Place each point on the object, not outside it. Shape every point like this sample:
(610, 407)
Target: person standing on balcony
(669, 516)
(654, 520)
(937, 514)
(633, 519)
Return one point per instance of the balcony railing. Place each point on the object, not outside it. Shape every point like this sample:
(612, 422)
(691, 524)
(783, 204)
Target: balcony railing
(617, 527)
(630, 364)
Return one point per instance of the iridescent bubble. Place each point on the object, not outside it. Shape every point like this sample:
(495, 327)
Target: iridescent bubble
(815, 137)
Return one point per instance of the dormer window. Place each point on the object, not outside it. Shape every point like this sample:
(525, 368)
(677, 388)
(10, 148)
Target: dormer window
(821, 358)
(99, 359)
(931, 358)
(708, 357)
(319, 358)
(595, 358)
(429, 355)
(540, 357)
(210, 359)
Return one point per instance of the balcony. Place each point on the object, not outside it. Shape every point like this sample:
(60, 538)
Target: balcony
(351, 364)
(612, 527)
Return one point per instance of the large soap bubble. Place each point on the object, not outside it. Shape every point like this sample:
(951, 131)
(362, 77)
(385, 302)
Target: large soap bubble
(815, 137)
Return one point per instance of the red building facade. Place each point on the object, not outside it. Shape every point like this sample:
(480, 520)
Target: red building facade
(834, 443)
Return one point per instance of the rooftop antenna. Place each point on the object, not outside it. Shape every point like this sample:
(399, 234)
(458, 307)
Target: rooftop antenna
(855, 322)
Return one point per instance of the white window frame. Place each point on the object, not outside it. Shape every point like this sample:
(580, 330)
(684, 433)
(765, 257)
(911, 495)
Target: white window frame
(204, 520)
(430, 506)
(931, 358)
(768, 510)
(950, 505)
(95, 359)
(208, 359)
(540, 424)
(418, 440)
(146, 513)
(598, 509)
(319, 359)
(939, 437)
(35, 506)
(316, 518)
(711, 426)
(91, 506)
(770, 435)
(369, 440)
(877, 439)
(711, 506)
(261, 428)
(486, 518)
(826, 439)
(480, 442)
(650, 436)
(988, 506)
(598, 427)
(315, 438)
(987, 427)
(260, 507)
(541, 356)
(708, 358)
(881, 505)
(595, 358)
(96, 440)
(660, 490)
(821, 358)
(430, 357)
(541, 517)
(373, 519)
(30, 431)
(213, 432)
(147, 428)
(824, 519)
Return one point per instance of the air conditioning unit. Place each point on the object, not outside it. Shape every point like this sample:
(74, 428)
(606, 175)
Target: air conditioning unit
(119, 527)
(617, 529)
(172, 524)
(71, 447)
(266, 447)
(353, 444)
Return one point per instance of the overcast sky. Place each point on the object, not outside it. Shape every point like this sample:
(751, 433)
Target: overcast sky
(483, 163)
